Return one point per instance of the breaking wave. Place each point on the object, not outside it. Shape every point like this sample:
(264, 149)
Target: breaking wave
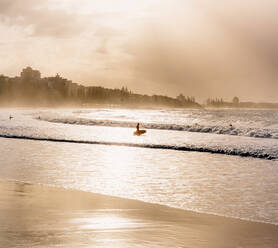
(218, 150)
(217, 129)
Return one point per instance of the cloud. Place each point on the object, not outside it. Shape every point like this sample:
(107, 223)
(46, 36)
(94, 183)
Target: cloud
(202, 48)
(41, 19)
(205, 52)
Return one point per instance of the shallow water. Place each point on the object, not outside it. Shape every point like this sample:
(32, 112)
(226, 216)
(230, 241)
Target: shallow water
(212, 183)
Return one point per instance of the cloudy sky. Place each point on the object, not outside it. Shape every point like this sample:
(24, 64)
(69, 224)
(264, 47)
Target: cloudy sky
(202, 48)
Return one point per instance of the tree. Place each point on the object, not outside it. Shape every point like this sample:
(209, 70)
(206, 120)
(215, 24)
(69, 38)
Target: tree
(181, 98)
(235, 100)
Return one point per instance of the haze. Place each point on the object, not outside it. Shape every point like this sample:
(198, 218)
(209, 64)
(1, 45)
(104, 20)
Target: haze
(198, 48)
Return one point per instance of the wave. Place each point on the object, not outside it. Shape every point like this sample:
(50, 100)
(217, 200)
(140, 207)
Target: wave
(193, 148)
(217, 129)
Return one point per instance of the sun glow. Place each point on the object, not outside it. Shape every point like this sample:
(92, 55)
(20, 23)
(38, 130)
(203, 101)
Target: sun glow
(121, 5)
(102, 221)
(122, 159)
(120, 168)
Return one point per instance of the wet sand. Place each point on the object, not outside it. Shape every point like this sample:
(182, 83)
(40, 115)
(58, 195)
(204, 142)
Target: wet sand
(40, 216)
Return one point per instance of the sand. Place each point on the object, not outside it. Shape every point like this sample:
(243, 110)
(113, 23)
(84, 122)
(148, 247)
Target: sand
(39, 216)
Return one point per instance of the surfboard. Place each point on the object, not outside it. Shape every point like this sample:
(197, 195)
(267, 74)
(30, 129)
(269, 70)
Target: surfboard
(139, 132)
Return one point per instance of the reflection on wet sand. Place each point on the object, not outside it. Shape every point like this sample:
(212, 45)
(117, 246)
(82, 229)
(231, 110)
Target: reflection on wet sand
(39, 216)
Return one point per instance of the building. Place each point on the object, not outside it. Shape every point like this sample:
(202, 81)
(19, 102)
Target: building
(28, 74)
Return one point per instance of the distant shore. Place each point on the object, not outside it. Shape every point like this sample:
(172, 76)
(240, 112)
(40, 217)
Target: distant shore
(40, 216)
(123, 106)
(30, 89)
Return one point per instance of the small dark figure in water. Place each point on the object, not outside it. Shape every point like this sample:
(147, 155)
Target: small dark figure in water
(139, 132)
(231, 125)
(39, 118)
(10, 117)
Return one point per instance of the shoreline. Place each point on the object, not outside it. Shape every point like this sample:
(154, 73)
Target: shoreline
(5, 180)
(35, 214)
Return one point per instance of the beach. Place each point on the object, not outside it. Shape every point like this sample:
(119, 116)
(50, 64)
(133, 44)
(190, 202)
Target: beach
(138, 124)
(40, 216)
(72, 184)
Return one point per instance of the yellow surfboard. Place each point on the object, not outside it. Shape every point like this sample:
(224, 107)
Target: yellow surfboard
(139, 132)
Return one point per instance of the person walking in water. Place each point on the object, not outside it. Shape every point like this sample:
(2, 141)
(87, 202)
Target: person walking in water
(137, 127)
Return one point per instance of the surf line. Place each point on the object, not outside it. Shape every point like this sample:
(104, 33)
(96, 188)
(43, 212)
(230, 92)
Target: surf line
(152, 146)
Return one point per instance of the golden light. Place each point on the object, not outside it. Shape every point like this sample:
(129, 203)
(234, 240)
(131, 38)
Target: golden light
(102, 221)
(119, 5)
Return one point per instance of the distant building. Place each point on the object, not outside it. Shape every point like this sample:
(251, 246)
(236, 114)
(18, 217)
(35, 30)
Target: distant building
(29, 74)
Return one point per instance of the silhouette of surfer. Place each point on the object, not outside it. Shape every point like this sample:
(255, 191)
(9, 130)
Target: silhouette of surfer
(10, 117)
(139, 132)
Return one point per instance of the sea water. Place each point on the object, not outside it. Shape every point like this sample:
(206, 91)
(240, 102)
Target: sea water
(214, 161)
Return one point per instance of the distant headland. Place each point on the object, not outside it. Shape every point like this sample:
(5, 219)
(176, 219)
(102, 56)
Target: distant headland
(31, 90)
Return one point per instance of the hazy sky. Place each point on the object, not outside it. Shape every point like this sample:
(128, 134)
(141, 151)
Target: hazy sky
(199, 48)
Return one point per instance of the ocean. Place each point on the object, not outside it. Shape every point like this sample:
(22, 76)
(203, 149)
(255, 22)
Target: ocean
(222, 162)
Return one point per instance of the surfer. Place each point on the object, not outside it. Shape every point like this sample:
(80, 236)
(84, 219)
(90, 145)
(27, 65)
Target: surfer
(139, 132)
(10, 117)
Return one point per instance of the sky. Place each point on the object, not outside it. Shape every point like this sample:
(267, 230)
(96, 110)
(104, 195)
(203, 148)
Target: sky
(201, 48)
